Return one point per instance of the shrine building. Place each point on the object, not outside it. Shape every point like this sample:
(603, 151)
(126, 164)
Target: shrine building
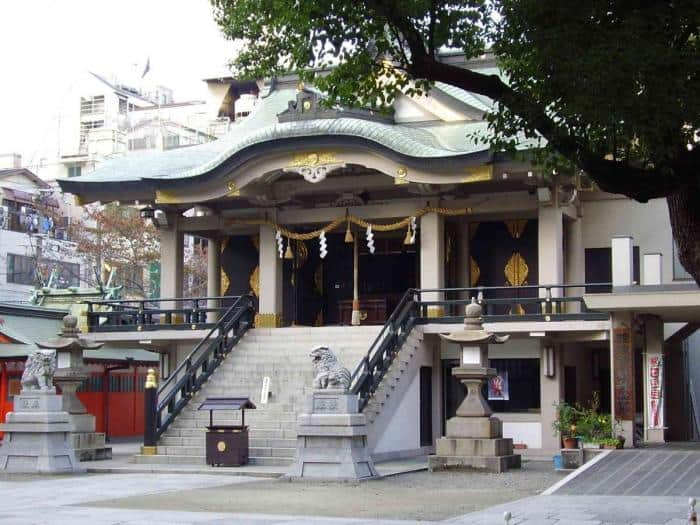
(371, 231)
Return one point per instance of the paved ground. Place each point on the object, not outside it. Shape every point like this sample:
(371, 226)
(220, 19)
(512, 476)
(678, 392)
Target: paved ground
(416, 496)
(640, 472)
(462, 498)
(585, 510)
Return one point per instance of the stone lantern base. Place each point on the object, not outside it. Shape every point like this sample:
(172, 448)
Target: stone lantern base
(36, 436)
(474, 443)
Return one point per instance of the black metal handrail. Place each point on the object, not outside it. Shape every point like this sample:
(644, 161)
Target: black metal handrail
(175, 392)
(155, 314)
(370, 371)
(549, 304)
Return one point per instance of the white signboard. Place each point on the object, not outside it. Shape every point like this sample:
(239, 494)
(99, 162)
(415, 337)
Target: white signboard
(655, 378)
(265, 392)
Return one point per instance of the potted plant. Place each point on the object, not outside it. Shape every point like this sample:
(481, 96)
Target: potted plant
(565, 424)
(610, 443)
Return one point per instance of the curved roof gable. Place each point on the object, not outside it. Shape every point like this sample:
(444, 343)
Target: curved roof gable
(425, 141)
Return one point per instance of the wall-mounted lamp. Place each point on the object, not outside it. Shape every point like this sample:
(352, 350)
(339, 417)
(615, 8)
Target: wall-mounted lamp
(549, 361)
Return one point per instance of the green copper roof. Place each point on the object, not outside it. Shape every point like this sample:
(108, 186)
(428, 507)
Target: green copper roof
(421, 141)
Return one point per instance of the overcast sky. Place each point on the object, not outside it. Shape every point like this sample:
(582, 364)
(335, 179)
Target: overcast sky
(45, 44)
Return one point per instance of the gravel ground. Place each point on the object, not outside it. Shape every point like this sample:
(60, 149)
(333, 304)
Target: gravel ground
(414, 496)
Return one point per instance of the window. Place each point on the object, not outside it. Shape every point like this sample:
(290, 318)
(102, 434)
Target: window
(21, 269)
(679, 273)
(122, 106)
(74, 171)
(92, 105)
(86, 126)
(68, 273)
(521, 381)
(171, 141)
(142, 143)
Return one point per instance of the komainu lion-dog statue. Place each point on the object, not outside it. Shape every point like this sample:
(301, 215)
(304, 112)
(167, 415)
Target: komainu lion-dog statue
(39, 370)
(329, 372)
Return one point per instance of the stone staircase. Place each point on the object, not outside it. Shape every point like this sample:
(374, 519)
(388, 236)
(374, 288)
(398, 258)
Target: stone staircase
(282, 354)
(393, 379)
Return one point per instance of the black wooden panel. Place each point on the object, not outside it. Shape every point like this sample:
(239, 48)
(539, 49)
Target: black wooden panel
(599, 268)
(426, 406)
(238, 260)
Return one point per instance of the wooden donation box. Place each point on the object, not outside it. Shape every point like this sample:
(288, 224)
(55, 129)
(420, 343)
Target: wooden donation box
(227, 445)
(372, 311)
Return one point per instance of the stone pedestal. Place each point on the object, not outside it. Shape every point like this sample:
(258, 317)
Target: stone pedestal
(87, 444)
(473, 439)
(332, 439)
(69, 347)
(37, 436)
(474, 442)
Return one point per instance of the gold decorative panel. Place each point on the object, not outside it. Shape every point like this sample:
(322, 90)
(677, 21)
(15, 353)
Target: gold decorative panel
(516, 227)
(313, 159)
(224, 282)
(254, 281)
(268, 320)
(516, 270)
(232, 189)
(479, 174)
(474, 272)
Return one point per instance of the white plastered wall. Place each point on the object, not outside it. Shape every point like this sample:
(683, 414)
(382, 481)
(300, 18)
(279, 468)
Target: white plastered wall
(648, 224)
(396, 430)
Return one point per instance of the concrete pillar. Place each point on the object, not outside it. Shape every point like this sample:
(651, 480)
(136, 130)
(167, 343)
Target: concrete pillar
(270, 301)
(654, 391)
(622, 376)
(575, 258)
(213, 277)
(551, 392)
(171, 258)
(432, 259)
(622, 261)
(550, 247)
(652, 268)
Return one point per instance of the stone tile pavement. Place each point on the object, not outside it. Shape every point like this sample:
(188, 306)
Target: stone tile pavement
(584, 510)
(57, 501)
(72, 500)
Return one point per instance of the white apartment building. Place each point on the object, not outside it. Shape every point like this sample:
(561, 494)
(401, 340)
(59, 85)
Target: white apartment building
(34, 237)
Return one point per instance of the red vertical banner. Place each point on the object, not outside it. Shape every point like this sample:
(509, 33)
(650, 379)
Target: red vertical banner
(623, 372)
(655, 370)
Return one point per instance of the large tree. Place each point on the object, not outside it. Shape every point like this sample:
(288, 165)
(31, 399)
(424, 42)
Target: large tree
(609, 86)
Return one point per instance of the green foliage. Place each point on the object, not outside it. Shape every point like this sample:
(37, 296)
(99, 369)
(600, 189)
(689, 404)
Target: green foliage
(565, 424)
(362, 41)
(619, 77)
(588, 423)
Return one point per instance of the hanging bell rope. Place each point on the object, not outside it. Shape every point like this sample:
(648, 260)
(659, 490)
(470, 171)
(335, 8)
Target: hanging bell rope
(348, 234)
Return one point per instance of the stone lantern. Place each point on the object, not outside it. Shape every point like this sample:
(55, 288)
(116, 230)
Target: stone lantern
(473, 438)
(70, 374)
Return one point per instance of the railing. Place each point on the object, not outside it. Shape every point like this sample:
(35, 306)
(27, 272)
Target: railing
(155, 314)
(510, 303)
(175, 392)
(369, 373)
(500, 303)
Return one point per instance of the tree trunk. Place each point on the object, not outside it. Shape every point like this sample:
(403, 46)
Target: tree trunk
(684, 211)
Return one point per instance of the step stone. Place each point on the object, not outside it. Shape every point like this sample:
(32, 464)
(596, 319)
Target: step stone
(282, 355)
